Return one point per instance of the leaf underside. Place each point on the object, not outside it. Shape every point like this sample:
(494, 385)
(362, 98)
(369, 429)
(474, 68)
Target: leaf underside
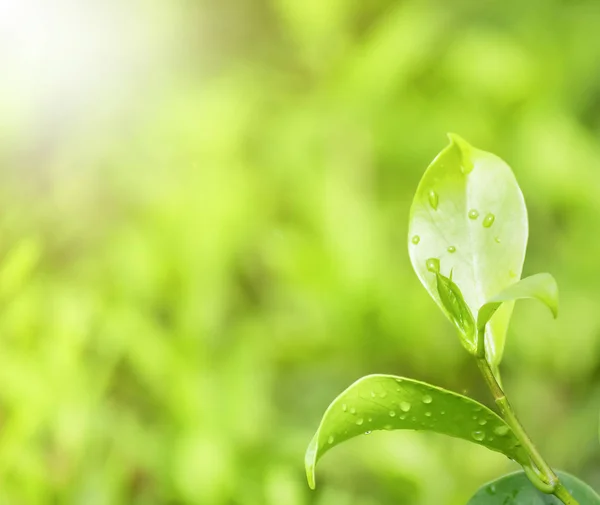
(469, 214)
(387, 402)
(515, 489)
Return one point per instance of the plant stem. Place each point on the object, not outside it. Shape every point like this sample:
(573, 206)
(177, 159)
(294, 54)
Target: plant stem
(545, 473)
(563, 495)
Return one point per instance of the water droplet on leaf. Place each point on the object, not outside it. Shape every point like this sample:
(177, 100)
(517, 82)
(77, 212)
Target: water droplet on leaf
(488, 220)
(451, 249)
(427, 399)
(497, 240)
(404, 406)
(478, 435)
(501, 430)
(330, 439)
(433, 265)
(392, 413)
(428, 414)
(344, 407)
(367, 432)
(352, 410)
(433, 199)
(473, 214)
(359, 421)
(482, 422)
(416, 239)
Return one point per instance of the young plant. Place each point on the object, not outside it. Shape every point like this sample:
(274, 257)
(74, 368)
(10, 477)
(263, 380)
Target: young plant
(467, 238)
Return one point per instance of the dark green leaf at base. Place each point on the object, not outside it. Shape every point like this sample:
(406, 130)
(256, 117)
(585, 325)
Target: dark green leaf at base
(515, 489)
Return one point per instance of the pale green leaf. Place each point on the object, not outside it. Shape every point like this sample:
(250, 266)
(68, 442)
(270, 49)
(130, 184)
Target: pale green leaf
(469, 214)
(516, 489)
(386, 402)
(541, 287)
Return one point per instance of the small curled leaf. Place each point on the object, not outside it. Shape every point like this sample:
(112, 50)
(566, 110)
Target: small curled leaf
(387, 402)
(457, 311)
(540, 287)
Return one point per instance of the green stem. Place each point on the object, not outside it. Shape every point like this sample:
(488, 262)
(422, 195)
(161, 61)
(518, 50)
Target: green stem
(549, 480)
(563, 495)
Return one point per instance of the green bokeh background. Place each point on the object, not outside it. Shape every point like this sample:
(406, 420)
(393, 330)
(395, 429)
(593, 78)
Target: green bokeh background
(203, 241)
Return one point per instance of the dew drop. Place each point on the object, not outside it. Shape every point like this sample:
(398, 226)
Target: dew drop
(404, 406)
(352, 410)
(433, 199)
(478, 435)
(330, 439)
(367, 432)
(427, 414)
(392, 413)
(344, 407)
(488, 220)
(433, 265)
(402, 416)
(501, 430)
(451, 249)
(443, 412)
(388, 427)
(416, 239)
(482, 422)
(427, 399)
(359, 421)
(473, 214)
(497, 240)
(373, 394)
(370, 419)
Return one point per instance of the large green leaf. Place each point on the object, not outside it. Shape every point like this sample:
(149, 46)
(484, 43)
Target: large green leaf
(541, 287)
(469, 215)
(387, 402)
(515, 489)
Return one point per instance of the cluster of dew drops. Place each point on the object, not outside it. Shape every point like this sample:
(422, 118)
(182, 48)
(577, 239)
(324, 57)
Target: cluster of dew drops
(405, 407)
(473, 214)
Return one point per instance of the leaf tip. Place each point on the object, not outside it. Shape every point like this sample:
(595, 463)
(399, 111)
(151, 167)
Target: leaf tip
(310, 477)
(310, 461)
(465, 150)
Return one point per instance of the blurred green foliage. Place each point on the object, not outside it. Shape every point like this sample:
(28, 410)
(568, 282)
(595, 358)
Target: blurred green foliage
(199, 254)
